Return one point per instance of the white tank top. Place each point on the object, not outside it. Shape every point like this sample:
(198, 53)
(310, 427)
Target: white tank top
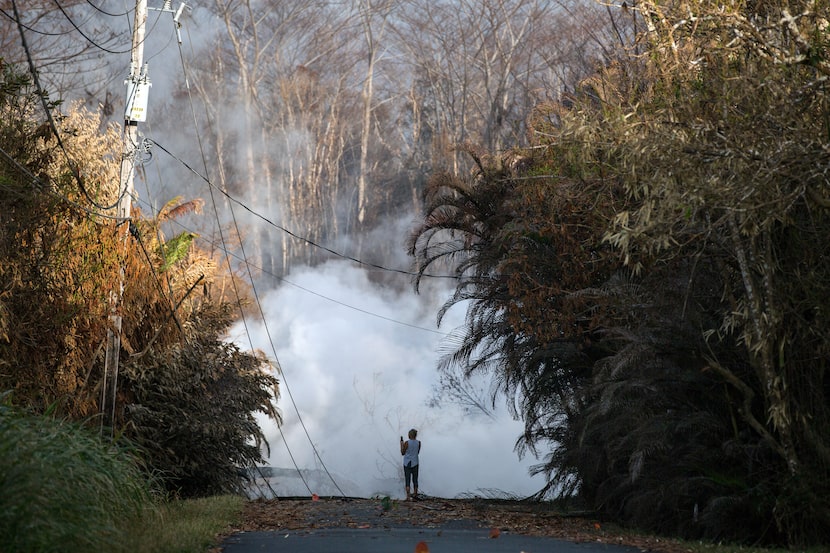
(411, 455)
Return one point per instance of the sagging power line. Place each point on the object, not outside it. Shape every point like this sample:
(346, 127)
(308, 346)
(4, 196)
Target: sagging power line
(291, 233)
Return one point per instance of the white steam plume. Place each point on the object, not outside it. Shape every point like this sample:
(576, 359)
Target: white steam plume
(361, 381)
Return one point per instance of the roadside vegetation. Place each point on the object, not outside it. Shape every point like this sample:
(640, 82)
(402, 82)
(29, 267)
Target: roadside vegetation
(646, 275)
(648, 283)
(186, 525)
(65, 490)
(75, 476)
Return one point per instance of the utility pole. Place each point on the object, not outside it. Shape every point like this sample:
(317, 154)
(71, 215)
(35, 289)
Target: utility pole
(135, 112)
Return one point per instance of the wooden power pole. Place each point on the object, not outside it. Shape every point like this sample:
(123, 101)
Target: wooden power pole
(134, 113)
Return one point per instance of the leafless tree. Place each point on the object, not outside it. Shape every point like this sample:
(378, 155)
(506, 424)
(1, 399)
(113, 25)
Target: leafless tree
(71, 46)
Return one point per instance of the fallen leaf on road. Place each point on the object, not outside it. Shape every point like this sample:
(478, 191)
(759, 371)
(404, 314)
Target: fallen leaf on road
(525, 518)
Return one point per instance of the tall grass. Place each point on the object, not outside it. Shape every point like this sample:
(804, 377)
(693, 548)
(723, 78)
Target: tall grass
(186, 526)
(63, 489)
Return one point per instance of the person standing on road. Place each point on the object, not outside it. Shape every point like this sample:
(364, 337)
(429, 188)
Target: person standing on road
(410, 450)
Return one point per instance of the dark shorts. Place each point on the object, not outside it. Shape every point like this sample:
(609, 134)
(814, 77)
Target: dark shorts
(410, 473)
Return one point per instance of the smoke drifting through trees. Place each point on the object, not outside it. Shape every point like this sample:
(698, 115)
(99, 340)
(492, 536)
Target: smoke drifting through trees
(285, 121)
(361, 381)
(697, 170)
(327, 117)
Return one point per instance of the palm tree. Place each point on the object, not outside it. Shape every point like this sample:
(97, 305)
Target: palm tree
(528, 268)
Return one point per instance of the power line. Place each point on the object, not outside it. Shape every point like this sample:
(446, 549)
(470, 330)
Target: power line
(290, 233)
(106, 12)
(268, 273)
(299, 286)
(32, 29)
(43, 187)
(286, 281)
(253, 285)
(50, 119)
(83, 34)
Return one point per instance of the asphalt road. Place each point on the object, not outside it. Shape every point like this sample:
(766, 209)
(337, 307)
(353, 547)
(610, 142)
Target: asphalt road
(405, 540)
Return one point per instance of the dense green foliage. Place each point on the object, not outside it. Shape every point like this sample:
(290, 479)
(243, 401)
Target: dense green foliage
(649, 284)
(63, 490)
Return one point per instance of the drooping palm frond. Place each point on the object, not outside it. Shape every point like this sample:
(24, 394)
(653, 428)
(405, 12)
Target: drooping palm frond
(175, 208)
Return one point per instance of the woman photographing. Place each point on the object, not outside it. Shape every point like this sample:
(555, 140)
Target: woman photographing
(410, 450)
